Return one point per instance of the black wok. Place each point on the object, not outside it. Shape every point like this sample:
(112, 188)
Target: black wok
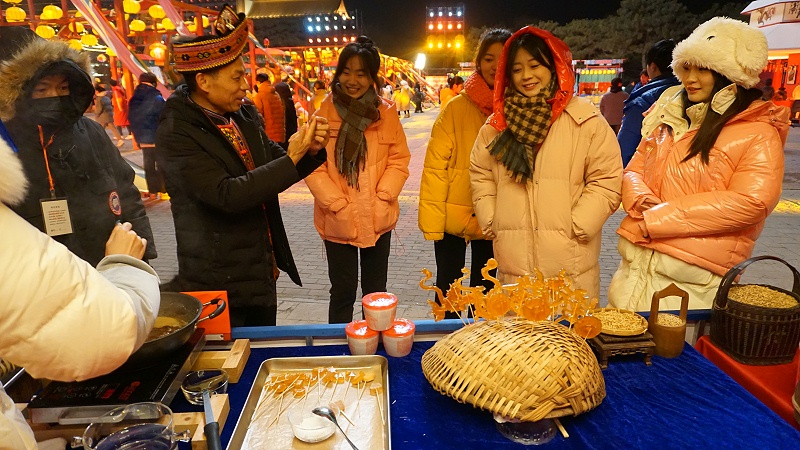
(186, 310)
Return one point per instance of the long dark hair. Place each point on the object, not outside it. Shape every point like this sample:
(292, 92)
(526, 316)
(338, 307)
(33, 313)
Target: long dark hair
(489, 37)
(536, 46)
(714, 122)
(364, 49)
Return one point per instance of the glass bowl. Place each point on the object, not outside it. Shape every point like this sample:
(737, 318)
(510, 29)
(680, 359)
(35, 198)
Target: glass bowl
(213, 380)
(138, 426)
(309, 427)
(527, 433)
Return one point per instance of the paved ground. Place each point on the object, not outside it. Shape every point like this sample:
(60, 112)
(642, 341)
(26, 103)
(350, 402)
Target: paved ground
(410, 252)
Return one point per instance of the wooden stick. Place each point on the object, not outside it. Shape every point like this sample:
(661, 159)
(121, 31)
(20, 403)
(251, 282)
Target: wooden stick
(358, 402)
(561, 428)
(278, 416)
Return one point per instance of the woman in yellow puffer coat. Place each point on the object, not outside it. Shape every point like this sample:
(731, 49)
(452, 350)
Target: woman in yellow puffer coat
(356, 190)
(707, 174)
(445, 198)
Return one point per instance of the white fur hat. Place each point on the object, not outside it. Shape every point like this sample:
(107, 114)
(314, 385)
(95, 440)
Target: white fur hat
(729, 47)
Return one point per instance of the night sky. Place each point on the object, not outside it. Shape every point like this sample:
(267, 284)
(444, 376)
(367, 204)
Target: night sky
(398, 27)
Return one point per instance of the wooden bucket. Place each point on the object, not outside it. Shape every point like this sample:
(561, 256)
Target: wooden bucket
(668, 338)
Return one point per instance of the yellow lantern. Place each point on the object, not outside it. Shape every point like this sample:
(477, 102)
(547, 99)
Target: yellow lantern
(191, 26)
(89, 40)
(205, 22)
(157, 51)
(13, 2)
(75, 44)
(156, 12)
(137, 25)
(76, 27)
(167, 24)
(110, 51)
(15, 14)
(131, 6)
(45, 31)
(53, 12)
(78, 14)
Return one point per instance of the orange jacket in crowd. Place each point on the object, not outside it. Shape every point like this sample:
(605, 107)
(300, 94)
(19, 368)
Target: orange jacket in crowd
(344, 214)
(270, 105)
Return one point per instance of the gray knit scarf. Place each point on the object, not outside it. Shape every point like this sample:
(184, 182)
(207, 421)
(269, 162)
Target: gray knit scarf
(528, 120)
(357, 115)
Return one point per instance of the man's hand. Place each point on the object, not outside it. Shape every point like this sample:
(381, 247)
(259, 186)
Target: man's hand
(125, 241)
(310, 138)
(322, 133)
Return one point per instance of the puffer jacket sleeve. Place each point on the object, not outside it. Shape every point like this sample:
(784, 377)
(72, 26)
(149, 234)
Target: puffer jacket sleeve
(753, 192)
(435, 181)
(326, 192)
(603, 183)
(634, 189)
(394, 177)
(483, 180)
(62, 319)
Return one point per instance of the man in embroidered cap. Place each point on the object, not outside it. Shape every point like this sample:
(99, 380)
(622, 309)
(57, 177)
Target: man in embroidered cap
(224, 174)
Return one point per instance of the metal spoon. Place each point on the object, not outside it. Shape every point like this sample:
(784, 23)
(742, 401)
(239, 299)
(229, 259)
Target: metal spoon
(324, 411)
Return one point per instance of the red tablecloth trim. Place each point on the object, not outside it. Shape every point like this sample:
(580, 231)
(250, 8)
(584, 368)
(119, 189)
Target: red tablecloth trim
(773, 385)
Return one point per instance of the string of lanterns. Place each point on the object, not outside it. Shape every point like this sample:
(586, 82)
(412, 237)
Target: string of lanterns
(81, 38)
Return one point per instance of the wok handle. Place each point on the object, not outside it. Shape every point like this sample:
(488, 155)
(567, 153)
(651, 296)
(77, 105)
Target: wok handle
(220, 307)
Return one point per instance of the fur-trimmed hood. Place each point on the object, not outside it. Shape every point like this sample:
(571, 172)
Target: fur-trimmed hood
(729, 47)
(12, 177)
(19, 73)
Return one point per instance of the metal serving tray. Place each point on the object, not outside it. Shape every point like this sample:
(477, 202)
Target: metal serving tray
(370, 415)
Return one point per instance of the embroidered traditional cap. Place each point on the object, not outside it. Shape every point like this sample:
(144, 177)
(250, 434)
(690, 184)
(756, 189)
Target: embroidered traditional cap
(203, 53)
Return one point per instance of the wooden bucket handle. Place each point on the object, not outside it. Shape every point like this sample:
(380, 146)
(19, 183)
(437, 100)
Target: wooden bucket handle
(668, 291)
(721, 299)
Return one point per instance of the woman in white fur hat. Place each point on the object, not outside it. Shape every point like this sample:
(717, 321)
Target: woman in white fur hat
(707, 173)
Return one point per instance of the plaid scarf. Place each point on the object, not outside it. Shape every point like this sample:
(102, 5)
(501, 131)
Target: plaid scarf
(478, 91)
(351, 146)
(528, 120)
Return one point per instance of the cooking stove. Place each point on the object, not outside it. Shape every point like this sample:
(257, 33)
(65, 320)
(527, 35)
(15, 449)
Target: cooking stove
(82, 402)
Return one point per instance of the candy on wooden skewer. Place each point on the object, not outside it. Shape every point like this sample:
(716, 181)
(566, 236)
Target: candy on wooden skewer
(376, 389)
(338, 408)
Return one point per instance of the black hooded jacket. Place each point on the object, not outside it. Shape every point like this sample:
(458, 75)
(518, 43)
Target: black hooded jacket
(86, 167)
(223, 213)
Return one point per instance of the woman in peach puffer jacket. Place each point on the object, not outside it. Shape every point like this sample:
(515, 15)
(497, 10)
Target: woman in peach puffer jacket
(706, 175)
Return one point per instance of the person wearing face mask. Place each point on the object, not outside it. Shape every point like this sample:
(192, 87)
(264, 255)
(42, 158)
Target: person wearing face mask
(356, 190)
(707, 173)
(224, 174)
(446, 216)
(545, 169)
(80, 186)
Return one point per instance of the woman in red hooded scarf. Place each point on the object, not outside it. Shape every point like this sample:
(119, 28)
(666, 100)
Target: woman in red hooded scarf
(545, 170)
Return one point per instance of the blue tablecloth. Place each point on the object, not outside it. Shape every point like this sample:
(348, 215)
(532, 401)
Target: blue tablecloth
(685, 402)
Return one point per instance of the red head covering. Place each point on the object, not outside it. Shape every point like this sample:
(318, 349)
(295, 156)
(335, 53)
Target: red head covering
(562, 61)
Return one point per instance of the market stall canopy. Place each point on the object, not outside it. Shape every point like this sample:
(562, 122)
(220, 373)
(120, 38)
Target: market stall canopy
(268, 9)
(780, 22)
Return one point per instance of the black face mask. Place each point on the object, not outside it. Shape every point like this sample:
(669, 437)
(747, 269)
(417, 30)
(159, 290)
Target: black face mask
(54, 112)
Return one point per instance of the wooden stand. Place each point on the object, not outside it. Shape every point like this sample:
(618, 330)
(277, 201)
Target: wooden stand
(607, 346)
(192, 422)
(231, 361)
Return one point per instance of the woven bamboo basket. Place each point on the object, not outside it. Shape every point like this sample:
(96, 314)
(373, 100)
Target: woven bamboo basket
(520, 369)
(756, 335)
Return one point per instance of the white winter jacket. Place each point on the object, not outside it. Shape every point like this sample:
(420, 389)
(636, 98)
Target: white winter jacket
(59, 317)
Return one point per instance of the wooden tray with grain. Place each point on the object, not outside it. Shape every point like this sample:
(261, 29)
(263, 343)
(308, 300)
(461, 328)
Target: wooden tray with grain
(621, 322)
